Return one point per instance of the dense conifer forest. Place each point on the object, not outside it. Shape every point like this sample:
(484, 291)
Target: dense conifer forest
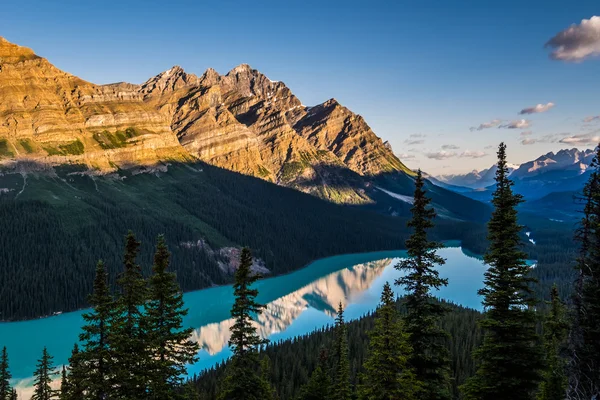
(133, 345)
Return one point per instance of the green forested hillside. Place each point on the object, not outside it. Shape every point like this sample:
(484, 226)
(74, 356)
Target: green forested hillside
(55, 228)
(292, 361)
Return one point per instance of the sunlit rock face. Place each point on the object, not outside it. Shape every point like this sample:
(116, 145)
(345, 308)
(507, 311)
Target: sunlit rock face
(324, 295)
(241, 121)
(54, 117)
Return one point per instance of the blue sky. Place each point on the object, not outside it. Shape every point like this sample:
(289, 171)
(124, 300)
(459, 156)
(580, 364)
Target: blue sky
(422, 73)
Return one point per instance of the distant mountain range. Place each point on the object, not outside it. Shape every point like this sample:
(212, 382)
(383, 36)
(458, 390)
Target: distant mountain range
(549, 183)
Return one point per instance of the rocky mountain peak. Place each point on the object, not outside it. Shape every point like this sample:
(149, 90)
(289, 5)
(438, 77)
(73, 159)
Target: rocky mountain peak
(169, 81)
(210, 77)
(11, 53)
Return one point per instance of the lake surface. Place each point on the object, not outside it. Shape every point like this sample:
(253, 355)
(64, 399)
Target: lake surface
(297, 303)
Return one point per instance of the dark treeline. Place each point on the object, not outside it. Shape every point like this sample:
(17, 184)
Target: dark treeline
(49, 247)
(133, 345)
(292, 361)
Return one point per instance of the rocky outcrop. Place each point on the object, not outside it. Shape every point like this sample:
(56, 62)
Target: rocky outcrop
(52, 116)
(242, 121)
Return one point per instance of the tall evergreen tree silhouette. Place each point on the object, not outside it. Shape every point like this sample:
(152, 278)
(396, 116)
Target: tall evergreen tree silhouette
(42, 378)
(584, 349)
(430, 358)
(170, 344)
(556, 329)
(387, 373)
(5, 376)
(93, 367)
(510, 358)
(243, 380)
(341, 389)
(127, 336)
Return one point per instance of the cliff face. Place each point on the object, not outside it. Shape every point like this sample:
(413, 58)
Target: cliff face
(54, 117)
(241, 121)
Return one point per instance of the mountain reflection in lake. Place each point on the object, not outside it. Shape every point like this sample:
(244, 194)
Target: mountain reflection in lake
(297, 303)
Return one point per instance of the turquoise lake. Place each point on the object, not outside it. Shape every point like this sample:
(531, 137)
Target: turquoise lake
(297, 303)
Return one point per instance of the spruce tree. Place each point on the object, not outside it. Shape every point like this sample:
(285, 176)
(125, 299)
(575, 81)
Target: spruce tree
(170, 344)
(584, 346)
(78, 380)
(13, 395)
(92, 368)
(430, 358)
(387, 374)
(64, 385)
(319, 385)
(556, 328)
(43, 378)
(341, 389)
(510, 357)
(127, 336)
(5, 376)
(243, 380)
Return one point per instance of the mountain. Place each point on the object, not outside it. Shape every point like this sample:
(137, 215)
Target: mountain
(473, 180)
(549, 183)
(215, 162)
(241, 121)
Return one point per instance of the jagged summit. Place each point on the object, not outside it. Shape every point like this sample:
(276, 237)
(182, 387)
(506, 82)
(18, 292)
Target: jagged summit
(242, 121)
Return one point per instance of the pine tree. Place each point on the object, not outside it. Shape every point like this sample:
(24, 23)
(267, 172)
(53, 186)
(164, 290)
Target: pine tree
(584, 349)
(92, 368)
(430, 358)
(243, 380)
(77, 380)
(510, 357)
(387, 375)
(64, 385)
(5, 376)
(13, 395)
(319, 384)
(341, 389)
(169, 343)
(127, 336)
(556, 328)
(43, 378)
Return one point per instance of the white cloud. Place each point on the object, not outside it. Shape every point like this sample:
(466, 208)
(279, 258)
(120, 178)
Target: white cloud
(528, 141)
(577, 42)
(472, 154)
(443, 154)
(486, 125)
(582, 140)
(414, 141)
(539, 108)
(450, 147)
(518, 124)
(406, 156)
(526, 133)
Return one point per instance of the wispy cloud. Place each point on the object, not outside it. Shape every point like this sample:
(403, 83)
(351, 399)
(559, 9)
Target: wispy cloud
(539, 108)
(406, 156)
(577, 42)
(414, 141)
(417, 135)
(450, 147)
(486, 125)
(593, 118)
(582, 140)
(518, 124)
(526, 133)
(528, 141)
(443, 154)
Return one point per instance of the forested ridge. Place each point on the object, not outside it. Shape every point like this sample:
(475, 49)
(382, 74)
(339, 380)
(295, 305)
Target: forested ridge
(133, 345)
(55, 230)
